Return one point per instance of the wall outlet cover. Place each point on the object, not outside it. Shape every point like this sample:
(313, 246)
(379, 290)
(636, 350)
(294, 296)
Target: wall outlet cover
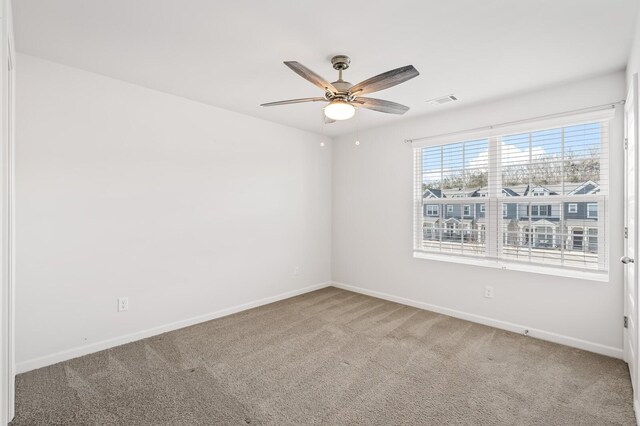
(123, 304)
(488, 292)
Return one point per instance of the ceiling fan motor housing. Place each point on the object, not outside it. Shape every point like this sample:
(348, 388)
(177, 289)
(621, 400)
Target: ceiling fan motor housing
(340, 62)
(342, 86)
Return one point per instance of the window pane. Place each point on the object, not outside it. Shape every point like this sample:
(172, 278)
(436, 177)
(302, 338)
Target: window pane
(460, 230)
(551, 239)
(561, 161)
(458, 169)
(432, 169)
(515, 162)
(582, 158)
(546, 162)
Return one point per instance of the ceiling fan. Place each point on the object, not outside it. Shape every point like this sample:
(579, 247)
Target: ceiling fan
(343, 97)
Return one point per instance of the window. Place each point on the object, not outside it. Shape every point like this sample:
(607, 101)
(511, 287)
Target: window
(567, 164)
(541, 210)
(433, 210)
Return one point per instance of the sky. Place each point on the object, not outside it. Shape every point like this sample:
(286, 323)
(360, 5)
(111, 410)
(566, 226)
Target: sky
(546, 145)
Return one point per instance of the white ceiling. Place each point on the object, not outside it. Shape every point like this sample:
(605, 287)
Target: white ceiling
(230, 53)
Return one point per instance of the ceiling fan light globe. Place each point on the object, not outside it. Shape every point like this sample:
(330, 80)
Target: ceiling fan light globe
(339, 110)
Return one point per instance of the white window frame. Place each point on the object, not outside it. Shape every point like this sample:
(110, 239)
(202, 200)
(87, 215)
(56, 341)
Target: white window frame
(483, 208)
(493, 244)
(466, 210)
(449, 208)
(589, 216)
(572, 208)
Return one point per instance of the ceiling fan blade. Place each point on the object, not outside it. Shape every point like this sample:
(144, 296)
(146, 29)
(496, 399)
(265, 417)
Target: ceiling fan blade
(385, 80)
(293, 101)
(311, 76)
(381, 106)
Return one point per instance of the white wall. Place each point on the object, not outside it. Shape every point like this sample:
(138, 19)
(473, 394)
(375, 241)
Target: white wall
(372, 228)
(633, 66)
(185, 208)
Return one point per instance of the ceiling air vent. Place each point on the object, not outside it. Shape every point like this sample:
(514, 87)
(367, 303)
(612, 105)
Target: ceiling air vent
(442, 100)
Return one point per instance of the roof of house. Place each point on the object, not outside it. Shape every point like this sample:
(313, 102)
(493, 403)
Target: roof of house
(530, 189)
(511, 192)
(588, 187)
(437, 193)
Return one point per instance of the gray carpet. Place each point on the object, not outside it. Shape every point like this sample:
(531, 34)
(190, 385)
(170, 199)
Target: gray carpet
(331, 357)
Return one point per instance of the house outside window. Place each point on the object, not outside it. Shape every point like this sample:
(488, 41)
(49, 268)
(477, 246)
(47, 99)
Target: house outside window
(433, 210)
(563, 164)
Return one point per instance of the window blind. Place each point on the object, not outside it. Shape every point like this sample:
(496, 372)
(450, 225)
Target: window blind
(535, 196)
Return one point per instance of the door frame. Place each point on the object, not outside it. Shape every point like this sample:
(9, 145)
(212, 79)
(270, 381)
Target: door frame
(7, 214)
(633, 319)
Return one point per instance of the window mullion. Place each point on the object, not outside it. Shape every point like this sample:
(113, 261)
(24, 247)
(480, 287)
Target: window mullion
(602, 220)
(418, 199)
(493, 216)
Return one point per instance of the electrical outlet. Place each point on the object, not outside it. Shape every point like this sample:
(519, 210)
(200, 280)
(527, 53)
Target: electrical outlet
(123, 304)
(296, 271)
(488, 292)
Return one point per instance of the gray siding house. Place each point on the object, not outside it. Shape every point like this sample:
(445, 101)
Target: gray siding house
(545, 224)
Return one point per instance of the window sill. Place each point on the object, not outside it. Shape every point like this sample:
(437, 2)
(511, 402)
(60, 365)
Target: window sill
(515, 266)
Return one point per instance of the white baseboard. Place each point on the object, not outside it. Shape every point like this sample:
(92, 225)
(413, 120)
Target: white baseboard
(44, 361)
(504, 325)
(65, 355)
(636, 410)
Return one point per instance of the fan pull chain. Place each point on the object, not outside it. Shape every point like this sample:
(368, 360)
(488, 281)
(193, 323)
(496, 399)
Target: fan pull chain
(322, 124)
